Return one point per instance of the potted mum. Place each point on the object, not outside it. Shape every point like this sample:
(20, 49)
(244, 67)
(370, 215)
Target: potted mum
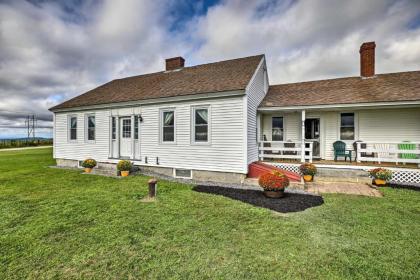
(88, 164)
(274, 184)
(124, 166)
(380, 176)
(308, 170)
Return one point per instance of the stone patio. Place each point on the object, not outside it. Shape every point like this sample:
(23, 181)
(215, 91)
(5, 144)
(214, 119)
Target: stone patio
(342, 187)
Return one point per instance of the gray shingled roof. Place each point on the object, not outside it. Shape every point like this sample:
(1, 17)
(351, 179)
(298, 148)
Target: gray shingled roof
(404, 86)
(221, 76)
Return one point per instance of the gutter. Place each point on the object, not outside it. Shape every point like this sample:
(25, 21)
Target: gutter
(114, 105)
(337, 106)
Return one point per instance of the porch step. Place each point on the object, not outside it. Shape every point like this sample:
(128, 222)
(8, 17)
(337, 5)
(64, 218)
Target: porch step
(105, 172)
(256, 169)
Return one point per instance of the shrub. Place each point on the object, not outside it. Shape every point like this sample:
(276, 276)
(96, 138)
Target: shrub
(89, 163)
(381, 173)
(308, 169)
(274, 181)
(124, 165)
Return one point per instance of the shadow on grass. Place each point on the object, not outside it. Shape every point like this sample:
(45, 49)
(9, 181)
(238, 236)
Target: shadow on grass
(292, 202)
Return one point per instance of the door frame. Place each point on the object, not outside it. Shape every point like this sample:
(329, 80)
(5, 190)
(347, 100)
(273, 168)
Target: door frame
(321, 135)
(120, 124)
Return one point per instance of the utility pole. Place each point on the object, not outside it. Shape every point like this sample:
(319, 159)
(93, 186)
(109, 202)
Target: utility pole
(30, 124)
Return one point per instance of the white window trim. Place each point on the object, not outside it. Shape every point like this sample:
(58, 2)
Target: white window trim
(69, 117)
(181, 177)
(356, 127)
(161, 111)
(271, 130)
(87, 115)
(192, 129)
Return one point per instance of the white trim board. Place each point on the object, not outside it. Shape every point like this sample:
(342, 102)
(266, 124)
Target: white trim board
(220, 94)
(370, 105)
(332, 166)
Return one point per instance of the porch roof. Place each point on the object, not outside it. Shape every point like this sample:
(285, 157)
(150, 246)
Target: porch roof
(392, 87)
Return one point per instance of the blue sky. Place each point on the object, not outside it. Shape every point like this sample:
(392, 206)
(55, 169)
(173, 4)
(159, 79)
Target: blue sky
(51, 51)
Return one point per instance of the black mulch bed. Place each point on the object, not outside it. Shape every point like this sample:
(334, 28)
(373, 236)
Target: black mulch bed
(292, 202)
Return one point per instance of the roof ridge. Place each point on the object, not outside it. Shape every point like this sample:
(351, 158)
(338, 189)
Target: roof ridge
(227, 60)
(189, 67)
(343, 78)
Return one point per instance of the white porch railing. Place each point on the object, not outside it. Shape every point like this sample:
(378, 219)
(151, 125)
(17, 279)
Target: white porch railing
(398, 152)
(284, 150)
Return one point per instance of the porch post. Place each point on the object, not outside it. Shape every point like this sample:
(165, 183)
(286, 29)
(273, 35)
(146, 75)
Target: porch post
(302, 158)
(258, 135)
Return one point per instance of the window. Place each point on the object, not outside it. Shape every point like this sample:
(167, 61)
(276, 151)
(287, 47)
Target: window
(73, 128)
(347, 126)
(183, 173)
(114, 128)
(201, 125)
(136, 127)
(126, 128)
(91, 127)
(277, 129)
(168, 126)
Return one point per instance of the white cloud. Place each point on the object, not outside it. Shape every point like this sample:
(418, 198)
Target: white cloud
(48, 54)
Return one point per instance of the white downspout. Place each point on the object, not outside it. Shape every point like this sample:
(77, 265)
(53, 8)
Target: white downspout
(302, 158)
(117, 134)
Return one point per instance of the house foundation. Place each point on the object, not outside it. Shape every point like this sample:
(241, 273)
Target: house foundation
(196, 175)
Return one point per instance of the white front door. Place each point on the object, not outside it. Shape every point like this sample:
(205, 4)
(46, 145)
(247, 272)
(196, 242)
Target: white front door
(125, 138)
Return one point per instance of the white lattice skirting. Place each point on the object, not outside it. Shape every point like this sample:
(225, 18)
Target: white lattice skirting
(406, 177)
(399, 176)
(288, 167)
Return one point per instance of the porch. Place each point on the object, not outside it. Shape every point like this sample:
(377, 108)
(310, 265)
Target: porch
(371, 136)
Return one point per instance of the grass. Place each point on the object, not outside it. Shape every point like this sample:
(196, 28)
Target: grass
(61, 224)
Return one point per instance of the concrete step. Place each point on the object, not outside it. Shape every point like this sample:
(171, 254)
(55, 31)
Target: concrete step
(104, 172)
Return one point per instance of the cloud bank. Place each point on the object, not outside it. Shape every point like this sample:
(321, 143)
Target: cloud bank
(51, 51)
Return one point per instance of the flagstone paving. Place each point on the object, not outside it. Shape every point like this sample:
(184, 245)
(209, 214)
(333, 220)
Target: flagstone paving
(342, 187)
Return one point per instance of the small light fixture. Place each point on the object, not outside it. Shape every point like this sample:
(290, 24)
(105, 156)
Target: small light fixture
(140, 118)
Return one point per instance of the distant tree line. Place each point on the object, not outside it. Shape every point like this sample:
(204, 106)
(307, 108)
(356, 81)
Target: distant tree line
(24, 142)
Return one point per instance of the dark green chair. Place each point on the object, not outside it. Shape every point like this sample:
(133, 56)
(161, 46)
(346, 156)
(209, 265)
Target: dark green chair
(340, 151)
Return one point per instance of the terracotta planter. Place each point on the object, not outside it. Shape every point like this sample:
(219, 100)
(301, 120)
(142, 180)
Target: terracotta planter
(380, 182)
(125, 173)
(308, 178)
(274, 194)
(88, 170)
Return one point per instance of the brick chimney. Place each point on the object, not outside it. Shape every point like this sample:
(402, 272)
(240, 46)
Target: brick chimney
(367, 59)
(174, 63)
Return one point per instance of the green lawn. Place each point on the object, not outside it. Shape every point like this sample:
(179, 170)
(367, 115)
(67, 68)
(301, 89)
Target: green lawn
(61, 224)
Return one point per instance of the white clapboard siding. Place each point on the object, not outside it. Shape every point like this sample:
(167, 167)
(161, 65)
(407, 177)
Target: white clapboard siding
(291, 126)
(380, 125)
(390, 125)
(82, 149)
(225, 152)
(256, 92)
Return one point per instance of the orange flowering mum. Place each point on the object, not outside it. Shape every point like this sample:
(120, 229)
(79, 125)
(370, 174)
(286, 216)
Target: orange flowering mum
(275, 181)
